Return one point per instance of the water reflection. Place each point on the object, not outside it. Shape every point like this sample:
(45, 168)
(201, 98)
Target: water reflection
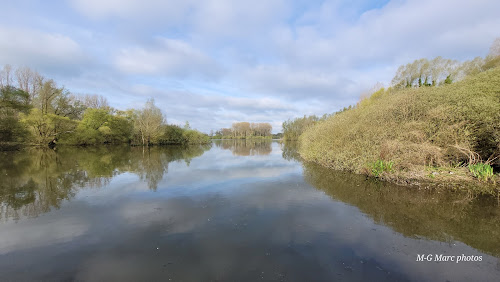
(437, 215)
(246, 147)
(115, 214)
(289, 150)
(36, 180)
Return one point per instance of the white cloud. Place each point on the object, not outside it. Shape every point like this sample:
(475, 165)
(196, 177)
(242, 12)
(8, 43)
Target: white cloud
(238, 19)
(214, 111)
(134, 10)
(298, 84)
(169, 57)
(48, 51)
(393, 34)
(216, 17)
(214, 62)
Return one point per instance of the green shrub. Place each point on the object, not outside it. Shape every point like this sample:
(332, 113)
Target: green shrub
(481, 171)
(174, 134)
(195, 137)
(381, 166)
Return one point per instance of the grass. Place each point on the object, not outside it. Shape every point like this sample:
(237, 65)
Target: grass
(481, 171)
(381, 166)
(415, 128)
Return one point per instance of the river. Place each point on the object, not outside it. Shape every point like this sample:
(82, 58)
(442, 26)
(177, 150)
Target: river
(230, 211)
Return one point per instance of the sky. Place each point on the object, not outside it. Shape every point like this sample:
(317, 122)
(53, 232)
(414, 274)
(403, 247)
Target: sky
(215, 62)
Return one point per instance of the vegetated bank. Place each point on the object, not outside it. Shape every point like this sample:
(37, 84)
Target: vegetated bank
(34, 110)
(448, 134)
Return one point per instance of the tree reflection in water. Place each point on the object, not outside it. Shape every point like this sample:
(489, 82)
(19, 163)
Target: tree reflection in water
(435, 214)
(35, 180)
(246, 147)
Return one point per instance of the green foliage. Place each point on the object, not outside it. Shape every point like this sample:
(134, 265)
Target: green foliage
(118, 129)
(191, 136)
(98, 126)
(45, 128)
(14, 98)
(11, 129)
(40, 112)
(380, 167)
(13, 101)
(171, 134)
(448, 80)
(414, 127)
(89, 130)
(94, 118)
(481, 171)
(292, 129)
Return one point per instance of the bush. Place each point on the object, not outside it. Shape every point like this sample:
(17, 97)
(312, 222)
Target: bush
(173, 134)
(380, 167)
(195, 137)
(481, 171)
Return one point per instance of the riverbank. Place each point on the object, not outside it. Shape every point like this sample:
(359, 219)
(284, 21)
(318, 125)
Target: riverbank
(447, 135)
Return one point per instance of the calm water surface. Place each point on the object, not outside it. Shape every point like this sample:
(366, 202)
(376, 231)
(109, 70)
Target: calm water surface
(231, 211)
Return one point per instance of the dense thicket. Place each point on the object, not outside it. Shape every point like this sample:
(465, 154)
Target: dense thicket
(436, 126)
(409, 126)
(35, 110)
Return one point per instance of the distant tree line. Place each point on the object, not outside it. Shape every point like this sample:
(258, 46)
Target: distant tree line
(438, 71)
(245, 130)
(35, 110)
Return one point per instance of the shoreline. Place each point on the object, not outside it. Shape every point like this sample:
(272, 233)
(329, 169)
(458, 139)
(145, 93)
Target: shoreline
(432, 178)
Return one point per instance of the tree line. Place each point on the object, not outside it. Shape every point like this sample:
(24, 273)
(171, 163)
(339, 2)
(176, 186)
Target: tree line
(438, 71)
(35, 110)
(245, 130)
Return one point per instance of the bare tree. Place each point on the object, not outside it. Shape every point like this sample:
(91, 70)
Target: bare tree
(494, 49)
(95, 101)
(6, 76)
(148, 122)
(366, 94)
(28, 80)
